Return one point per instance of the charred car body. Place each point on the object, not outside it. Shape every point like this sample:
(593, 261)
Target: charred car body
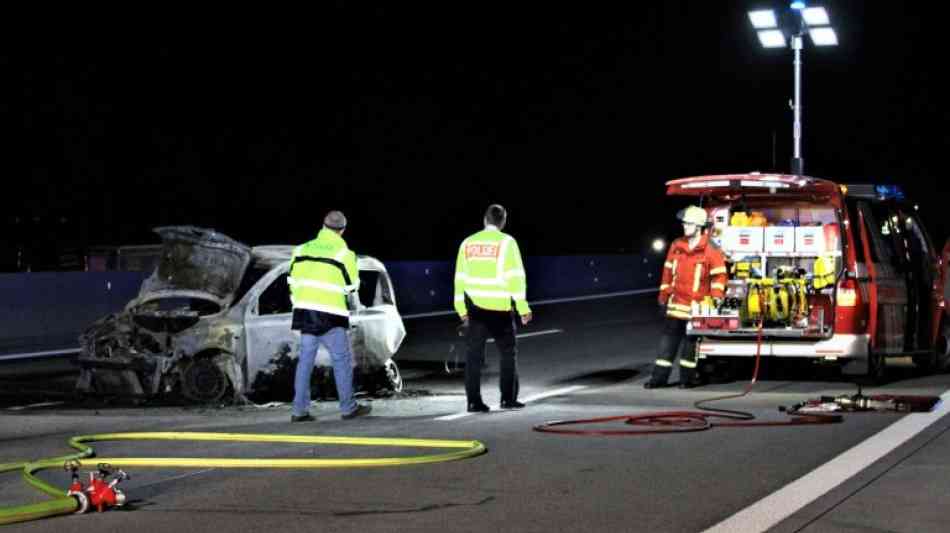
(212, 322)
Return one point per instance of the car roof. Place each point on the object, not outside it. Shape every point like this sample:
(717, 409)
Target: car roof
(272, 255)
(751, 184)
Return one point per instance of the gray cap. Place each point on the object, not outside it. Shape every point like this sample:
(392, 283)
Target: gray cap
(335, 220)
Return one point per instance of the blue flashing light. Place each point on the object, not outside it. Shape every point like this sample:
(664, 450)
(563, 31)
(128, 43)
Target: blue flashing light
(889, 192)
(798, 5)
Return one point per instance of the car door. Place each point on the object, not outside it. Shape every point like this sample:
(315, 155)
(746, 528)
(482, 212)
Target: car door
(923, 280)
(272, 347)
(888, 285)
(377, 330)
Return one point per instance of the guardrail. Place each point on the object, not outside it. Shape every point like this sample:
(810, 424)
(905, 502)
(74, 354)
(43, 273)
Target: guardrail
(427, 286)
(44, 312)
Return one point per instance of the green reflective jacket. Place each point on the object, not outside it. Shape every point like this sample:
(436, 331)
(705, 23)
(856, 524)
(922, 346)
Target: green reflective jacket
(318, 285)
(489, 270)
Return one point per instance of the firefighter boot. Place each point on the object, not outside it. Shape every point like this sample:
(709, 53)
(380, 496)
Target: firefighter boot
(658, 378)
(688, 378)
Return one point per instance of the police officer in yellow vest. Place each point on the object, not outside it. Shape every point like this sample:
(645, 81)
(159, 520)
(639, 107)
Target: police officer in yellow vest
(489, 276)
(322, 273)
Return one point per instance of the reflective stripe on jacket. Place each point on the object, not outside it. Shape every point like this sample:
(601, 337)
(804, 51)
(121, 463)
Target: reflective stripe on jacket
(316, 279)
(489, 270)
(691, 274)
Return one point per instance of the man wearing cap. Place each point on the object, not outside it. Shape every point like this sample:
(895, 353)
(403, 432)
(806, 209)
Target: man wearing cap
(695, 268)
(322, 273)
(489, 276)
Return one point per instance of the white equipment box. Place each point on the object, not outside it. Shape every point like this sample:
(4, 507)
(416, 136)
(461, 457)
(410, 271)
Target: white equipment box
(810, 239)
(779, 238)
(749, 239)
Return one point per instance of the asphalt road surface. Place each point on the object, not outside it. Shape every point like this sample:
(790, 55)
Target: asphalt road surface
(872, 472)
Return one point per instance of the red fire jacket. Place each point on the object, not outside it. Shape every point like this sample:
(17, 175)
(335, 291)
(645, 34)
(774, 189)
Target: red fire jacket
(690, 275)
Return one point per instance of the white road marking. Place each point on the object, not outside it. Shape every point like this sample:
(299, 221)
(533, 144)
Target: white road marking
(545, 302)
(533, 334)
(32, 405)
(529, 399)
(447, 397)
(781, 504)
(34, 355)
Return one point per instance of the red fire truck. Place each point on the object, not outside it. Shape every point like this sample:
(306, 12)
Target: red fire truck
(845, 274)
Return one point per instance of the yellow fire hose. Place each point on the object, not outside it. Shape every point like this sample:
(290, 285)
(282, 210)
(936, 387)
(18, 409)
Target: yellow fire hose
(62, 504)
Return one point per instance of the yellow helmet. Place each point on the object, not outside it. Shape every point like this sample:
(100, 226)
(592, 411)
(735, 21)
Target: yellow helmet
(693, 215)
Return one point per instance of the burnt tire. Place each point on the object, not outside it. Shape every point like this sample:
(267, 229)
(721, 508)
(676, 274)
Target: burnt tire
(203, 381)
(393, 376)
(927, 363)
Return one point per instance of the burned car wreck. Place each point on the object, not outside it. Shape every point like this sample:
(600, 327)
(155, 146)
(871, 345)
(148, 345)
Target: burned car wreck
(212, 323)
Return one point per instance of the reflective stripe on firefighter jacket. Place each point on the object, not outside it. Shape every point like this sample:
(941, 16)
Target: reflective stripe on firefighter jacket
(690, 275)
(316, 280)
(489, 270)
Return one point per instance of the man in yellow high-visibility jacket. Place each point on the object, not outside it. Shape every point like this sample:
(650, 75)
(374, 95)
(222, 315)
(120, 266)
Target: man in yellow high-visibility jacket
(322, 273)
(489, 276)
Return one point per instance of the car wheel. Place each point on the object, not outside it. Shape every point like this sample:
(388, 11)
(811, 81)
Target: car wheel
(942, 350)
(393, 377)
(926, 363)
(937, 359)
(203, 381)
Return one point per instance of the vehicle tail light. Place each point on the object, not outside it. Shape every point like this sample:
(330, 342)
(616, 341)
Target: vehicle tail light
(847, 295)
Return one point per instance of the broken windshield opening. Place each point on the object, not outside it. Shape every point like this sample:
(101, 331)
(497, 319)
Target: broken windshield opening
(197, 306)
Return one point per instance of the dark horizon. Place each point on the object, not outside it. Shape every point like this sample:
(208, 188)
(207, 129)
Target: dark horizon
(413, 120)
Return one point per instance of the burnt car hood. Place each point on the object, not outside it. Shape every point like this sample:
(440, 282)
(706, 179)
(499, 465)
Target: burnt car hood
(197, 262)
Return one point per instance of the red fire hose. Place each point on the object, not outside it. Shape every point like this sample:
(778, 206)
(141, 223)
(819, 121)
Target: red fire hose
(683, 421)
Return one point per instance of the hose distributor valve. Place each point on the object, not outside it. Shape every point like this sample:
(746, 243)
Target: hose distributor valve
(100, 492)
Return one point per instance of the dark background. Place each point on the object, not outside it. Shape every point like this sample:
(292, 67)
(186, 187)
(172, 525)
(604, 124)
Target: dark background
(413, 119)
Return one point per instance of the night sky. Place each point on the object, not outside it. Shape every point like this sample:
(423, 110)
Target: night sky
(413, 119)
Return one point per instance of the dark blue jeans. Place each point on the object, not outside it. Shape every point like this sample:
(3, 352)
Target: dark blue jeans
(337, 343)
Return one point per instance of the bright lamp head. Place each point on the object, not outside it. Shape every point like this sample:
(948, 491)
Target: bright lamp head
(763, 19)
(823, 36)
(816, 16)
(772, 38)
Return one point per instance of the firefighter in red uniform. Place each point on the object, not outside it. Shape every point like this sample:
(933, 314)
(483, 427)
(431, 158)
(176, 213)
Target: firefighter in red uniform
(694, 268)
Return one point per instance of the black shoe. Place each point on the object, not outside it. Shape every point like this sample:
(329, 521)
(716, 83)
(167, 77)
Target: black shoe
(302, 418)
(652, 385)
(689, 384)
(361, 410)
(478, 408)
(513, 404)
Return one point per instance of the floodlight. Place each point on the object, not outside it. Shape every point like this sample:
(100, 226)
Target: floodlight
(823, 36)
(763, 19)
(772, 38)
(816, 16)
